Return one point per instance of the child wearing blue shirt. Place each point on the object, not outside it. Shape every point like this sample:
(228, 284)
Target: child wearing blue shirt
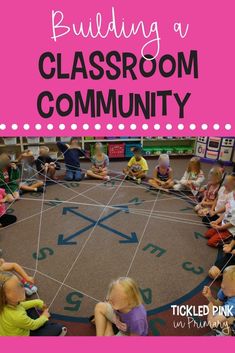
(225, 318)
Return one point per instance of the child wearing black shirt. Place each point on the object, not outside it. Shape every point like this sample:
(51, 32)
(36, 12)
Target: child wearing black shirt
(45, 164)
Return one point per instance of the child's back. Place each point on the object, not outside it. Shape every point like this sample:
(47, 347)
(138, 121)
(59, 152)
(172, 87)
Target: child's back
(71, 156)
(14, 321)
(136, 320)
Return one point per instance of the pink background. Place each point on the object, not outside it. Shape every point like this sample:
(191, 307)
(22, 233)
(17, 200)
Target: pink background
(25, 29)
(117, 344)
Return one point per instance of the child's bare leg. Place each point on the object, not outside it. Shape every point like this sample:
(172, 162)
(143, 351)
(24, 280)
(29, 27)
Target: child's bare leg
(109, 329)
(38, 184)
(154, 182)
(9, 198)
(168, 185)
(33, 187)
(91, 174)
(51, 172)
(140, 175)
(16, 195)
(101, 322)
(126, 171)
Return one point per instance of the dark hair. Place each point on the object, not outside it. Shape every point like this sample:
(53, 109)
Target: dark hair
(74, 138)
(137, 149)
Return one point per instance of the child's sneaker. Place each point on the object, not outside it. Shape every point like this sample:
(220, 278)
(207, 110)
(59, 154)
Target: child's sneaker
(29, 288)
(138, 181)
(41, 189)
(134, 178)
(63, 331)
(107, 178)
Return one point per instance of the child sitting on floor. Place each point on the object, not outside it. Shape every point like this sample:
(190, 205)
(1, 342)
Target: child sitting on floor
(9, 175)
(29, 181)
(220, 164)
(137, 166)
(192, 178)
(210, 194)
(224, 227)
(45, 164)
(163, 174)
(22, 318)
(27, 280)
(224, 194)
(5, 219)
(223, 262)
(72, 154)
(99, 169)
(124, 309)
(225, 299)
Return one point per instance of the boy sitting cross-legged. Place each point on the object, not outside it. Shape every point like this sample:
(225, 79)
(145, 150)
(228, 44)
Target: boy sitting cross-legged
(137, 166)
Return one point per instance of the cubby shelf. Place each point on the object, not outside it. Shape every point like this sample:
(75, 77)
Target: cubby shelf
(152, 147)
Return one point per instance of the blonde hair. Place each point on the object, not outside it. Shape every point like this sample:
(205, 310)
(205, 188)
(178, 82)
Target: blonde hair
(44, 148)
(99, 145)
(229, 178)
(230, 271)
(216, 172)
(195, 161)
(4, 277)
(130, 288)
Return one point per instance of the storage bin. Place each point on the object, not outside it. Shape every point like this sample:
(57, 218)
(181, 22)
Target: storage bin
(88, 138)
(65, 139)
(10, 140)
(129, 147)
(33, 140)
(116, 150)
(49, 139)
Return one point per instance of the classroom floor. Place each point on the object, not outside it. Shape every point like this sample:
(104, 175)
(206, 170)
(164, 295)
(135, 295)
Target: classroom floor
(77, 237)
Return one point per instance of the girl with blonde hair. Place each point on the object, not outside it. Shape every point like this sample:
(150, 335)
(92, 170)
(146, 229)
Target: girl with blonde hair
(123, 308)
(192, 178)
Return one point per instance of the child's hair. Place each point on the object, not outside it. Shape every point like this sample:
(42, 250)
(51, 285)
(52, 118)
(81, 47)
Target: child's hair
(5, 156)
(130, 288)
(230, 271)
(194, 161)
(73, 139)
(164, 158)
(230, 177)
(44, 148)
(137, 149)
(99, 145)
(216, 172)
(4, 277)
(27, 153)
